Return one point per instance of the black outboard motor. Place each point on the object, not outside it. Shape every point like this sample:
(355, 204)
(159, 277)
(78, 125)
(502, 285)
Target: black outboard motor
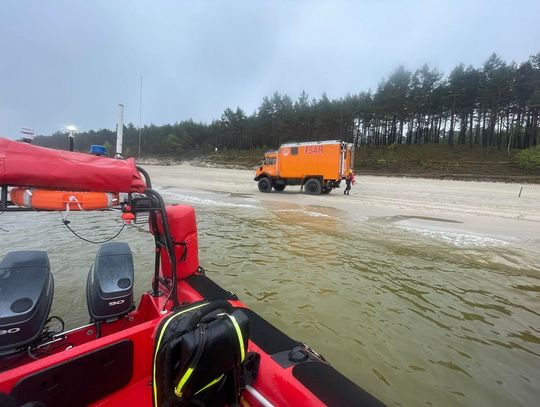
(109, 290)
(26, 293)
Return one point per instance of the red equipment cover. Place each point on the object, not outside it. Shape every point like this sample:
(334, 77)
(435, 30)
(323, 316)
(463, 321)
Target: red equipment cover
(183, 228)
(25, 165)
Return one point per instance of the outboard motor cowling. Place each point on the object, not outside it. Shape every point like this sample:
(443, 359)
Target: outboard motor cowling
(109, 290)
(26, 293)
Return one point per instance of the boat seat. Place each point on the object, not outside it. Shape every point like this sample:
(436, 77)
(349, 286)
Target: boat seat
(79, 381)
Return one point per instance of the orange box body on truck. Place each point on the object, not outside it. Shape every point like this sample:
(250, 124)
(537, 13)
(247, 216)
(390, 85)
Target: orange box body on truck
(318, 167)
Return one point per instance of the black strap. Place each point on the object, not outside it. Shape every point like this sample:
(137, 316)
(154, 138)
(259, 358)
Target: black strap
(250, 369)
(202, 312)
(185, 253)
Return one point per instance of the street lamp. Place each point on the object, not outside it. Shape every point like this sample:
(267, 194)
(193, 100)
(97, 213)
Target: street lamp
(72, 130)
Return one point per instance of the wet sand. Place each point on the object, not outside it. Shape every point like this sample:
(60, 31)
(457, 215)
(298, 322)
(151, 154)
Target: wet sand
(485, 209)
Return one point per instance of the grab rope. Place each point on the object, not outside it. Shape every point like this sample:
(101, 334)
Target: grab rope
(66, 222)
(185, 252)
(72, 198)
(92, 241)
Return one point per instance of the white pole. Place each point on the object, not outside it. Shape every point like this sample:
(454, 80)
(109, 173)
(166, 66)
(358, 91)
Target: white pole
(140, 118)
(119, 131)
(258, 396)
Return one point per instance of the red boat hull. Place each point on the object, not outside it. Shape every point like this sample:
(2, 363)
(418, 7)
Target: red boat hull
(276, 384)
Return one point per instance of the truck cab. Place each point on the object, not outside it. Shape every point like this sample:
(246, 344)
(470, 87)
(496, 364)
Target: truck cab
(267, 171)
(268, 166)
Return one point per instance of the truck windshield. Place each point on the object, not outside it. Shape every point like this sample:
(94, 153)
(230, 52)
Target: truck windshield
(270, 161)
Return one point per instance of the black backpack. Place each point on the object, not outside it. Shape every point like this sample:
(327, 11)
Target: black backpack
(201, 358)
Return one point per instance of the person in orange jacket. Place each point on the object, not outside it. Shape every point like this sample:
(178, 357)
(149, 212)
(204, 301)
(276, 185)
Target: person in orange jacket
(350, 179)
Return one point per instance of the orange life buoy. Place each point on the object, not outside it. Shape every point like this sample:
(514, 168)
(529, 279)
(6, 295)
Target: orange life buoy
(63, 200)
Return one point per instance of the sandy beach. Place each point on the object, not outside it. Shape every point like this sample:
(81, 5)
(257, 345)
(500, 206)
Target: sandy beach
(487, 209)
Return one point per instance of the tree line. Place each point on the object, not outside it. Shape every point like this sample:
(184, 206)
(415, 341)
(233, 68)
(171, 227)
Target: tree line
(496, 105)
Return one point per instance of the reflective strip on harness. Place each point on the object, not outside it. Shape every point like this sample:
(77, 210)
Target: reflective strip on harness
(240, 337)
(183, 380)
(163, 329)
(210, 384)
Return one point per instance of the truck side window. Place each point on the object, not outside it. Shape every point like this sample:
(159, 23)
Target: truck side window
(294, 150)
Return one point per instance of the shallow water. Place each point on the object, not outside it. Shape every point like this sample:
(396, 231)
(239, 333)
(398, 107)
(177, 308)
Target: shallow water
(411, 310)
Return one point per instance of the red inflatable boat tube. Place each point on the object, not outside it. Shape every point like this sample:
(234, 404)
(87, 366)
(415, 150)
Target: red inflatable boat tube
(25, 165)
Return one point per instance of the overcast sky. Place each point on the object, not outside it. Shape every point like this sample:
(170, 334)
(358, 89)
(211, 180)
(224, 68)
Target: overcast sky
(72, 62)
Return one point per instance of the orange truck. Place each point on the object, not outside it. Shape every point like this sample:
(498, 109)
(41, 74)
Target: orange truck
(318, 167)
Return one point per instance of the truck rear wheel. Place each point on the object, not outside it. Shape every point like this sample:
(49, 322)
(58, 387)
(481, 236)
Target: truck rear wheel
(265, 185)
(279, 187)
(313, 186)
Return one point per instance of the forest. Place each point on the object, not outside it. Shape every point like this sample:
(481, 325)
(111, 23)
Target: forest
(496, 105)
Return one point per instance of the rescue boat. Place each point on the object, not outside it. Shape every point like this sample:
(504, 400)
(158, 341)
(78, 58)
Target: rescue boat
(186, 342)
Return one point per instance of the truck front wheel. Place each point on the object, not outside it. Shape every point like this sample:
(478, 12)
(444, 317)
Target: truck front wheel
(313, 186)
(265, 185)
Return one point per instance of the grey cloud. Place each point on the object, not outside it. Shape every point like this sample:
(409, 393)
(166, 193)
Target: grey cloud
(67, 62)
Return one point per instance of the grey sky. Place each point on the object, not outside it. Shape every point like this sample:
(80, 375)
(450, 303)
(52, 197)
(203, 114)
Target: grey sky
(64, 62)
